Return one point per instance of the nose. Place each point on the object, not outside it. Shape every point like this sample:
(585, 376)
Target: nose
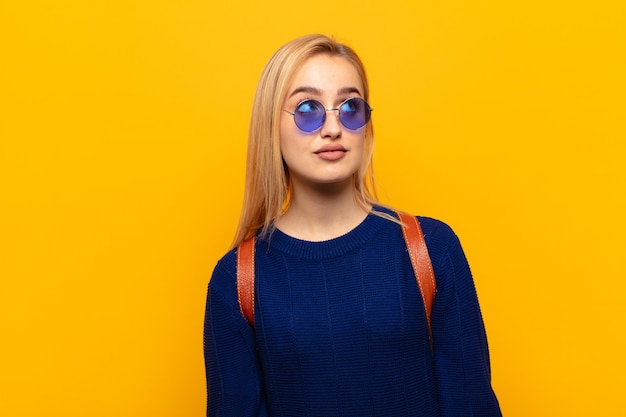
(331, 128)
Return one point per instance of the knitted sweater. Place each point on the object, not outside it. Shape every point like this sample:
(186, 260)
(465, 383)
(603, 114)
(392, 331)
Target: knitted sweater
(340, 330)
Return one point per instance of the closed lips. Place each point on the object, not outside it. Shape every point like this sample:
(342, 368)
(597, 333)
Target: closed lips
(331, 149)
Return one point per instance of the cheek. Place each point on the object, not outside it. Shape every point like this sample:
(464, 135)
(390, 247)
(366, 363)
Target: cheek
(359, 143)
(290, 140)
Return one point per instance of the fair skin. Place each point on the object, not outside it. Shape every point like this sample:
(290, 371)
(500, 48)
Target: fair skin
(322, 163)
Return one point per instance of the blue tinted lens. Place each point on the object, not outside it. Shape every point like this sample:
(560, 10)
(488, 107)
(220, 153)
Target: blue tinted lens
(309, 115)
(354, 113)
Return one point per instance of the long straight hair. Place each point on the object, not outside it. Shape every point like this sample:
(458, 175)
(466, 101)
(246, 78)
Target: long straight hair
(267, 187)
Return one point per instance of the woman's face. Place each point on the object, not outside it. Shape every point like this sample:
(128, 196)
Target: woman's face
(332, 153)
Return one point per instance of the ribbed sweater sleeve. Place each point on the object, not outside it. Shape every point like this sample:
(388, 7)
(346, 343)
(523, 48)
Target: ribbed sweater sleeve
(234, 386)
(460, 343)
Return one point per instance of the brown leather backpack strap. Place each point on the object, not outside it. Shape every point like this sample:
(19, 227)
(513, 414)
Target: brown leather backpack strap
(245, 279)
(422, 267)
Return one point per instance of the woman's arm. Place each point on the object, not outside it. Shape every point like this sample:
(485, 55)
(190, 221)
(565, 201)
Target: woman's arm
(234, 385)
(460, 343)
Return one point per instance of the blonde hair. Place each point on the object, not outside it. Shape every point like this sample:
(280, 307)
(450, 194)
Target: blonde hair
(267, 187)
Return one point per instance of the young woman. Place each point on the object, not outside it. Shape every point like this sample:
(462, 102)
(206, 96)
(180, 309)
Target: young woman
(339, 326)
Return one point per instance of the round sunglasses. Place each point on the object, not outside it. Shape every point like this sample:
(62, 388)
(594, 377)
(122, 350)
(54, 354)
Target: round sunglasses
(310, 115)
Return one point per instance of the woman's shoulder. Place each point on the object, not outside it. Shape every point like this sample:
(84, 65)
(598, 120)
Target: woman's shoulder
(431, 227)
(224, 277)
(436, 228)
(439, 236)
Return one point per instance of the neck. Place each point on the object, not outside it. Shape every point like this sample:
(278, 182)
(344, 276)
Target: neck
(322, 213)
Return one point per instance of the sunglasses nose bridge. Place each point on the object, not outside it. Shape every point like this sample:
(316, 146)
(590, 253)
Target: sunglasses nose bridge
(337, 114)
(331, 126)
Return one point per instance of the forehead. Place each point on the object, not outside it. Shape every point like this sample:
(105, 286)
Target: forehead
(327, 73)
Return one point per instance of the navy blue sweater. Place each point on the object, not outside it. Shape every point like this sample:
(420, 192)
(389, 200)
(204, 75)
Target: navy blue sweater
(341, 331)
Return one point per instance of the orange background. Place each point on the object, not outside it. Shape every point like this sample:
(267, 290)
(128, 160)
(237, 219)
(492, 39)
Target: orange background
(122, 140)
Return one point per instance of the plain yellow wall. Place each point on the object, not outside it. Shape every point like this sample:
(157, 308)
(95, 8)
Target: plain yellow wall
(122, 142)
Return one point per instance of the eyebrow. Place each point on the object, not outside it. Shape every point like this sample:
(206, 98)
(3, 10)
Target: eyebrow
(317, 91)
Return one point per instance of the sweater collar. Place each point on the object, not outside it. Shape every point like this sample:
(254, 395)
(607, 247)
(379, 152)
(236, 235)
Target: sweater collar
(325, 249)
